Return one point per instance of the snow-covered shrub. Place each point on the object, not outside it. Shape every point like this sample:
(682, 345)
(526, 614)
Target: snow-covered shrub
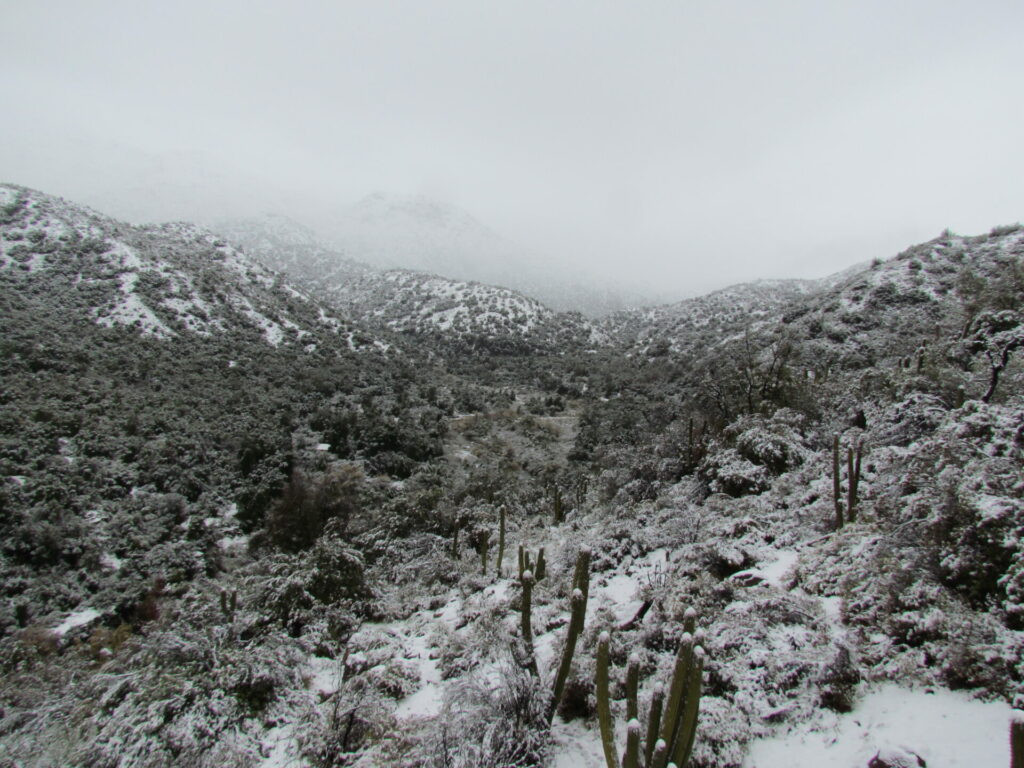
(358, 716)
(298, 590)
(773, 442)
(188, 684)
(727, 471)
(488, 725)
(837, 682)
(915, 417)
(309, 502)
(395, 679)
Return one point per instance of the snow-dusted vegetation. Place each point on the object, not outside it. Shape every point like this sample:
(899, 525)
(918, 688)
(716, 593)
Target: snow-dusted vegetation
(240, 527)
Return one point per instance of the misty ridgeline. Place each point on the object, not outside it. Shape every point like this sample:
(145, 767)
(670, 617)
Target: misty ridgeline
(266, 505)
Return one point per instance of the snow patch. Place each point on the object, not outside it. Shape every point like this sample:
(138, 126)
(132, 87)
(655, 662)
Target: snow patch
(948, 729)
(76, 619)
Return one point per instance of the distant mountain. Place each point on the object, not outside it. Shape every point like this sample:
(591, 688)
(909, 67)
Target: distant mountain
(165, 280)
(284, 245)
(399, 300)
(686, 326)
(418, 233)
(888, 309)
(426, 235)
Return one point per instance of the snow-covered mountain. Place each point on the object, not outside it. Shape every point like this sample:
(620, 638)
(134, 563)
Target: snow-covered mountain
(687, 325)
(423, 234)
(165, 280)
(419, 233)
(232, 534)
(400, 300)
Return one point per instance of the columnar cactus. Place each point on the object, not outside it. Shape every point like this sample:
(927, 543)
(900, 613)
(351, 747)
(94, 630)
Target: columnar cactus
(836, 487)
(559, 512)
(672, 742)
(1017, 739)
(580, 590)
(525, 623)
(604, 711)
(526, 563)
(632, 687)
(228, 603)
(853, 481)
(501, 539)
(632, 756)
(653, 723)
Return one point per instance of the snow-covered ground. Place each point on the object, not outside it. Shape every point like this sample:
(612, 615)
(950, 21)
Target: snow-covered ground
(948, 729)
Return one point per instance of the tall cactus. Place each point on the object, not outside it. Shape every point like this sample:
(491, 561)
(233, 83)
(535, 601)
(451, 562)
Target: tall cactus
(672, 742)
(653, 722)
(526, 563)
(1017, 739)
(501, 539)
(604, 710)
(836, 487)
(485, 544)
(526, 626)
(853, 480)
(557, 508)
(632, 757)
(579, 593)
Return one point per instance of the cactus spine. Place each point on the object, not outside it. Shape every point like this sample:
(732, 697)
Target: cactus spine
(672, 743)
(580, 590)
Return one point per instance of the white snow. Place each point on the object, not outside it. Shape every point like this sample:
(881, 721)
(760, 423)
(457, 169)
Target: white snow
(574, 745)
(131, 310)
(948, 729)
(325, 675)
(76, 619)
(272, 332)
(111, 561)
(233, 542)
(774, 572)
(428, 699)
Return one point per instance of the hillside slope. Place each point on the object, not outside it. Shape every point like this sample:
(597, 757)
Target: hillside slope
(460, 315)
(220, 546)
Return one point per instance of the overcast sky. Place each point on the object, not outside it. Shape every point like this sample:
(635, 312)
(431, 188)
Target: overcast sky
(696, 143)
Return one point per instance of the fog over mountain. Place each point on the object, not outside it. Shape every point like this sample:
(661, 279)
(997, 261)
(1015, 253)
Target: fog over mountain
(677, 148)
(528, 385)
